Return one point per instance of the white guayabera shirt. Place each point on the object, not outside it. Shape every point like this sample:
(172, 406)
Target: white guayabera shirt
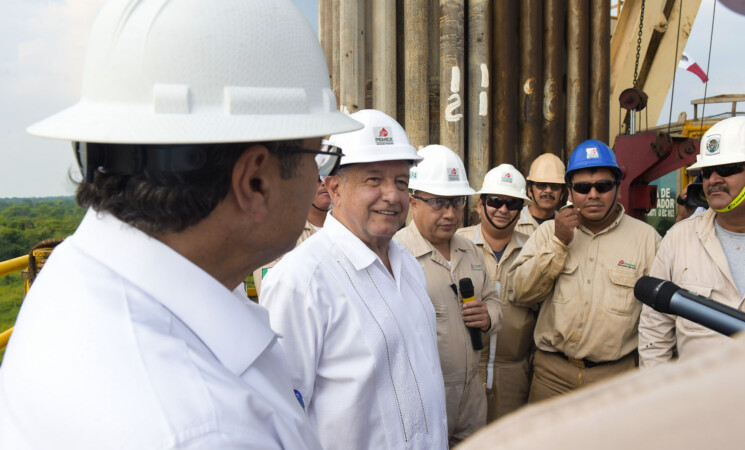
(361, 343)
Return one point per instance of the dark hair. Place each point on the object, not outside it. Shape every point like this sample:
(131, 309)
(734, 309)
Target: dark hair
(158, 201)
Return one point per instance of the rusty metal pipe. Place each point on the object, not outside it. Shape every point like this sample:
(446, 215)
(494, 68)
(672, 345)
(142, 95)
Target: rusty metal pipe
(479, 116)
(554, 67)
(384, 56)
(577, 73)
(531, 83)
(415, 72)
(599, 107)
(352, 49)
(504, 83)
(452, 75)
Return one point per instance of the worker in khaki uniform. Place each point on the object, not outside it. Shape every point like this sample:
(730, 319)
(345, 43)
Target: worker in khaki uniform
(546, 190)
(316, 217)
(703, 254)
(583, 266)
(505, 359)
(439, 188)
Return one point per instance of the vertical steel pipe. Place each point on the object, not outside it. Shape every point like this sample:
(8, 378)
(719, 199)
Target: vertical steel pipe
(478, 123)
(415, 72)
(352, 58)
(384, 56)
(367, 24)
(577, 73)
(554, 66)
(531, 83)
(335, 29)
(433, 71)
(505, 83)
(599, 108)
(452, 75)
(324, 30)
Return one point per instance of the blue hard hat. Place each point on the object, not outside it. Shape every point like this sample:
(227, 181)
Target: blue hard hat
(592, 153)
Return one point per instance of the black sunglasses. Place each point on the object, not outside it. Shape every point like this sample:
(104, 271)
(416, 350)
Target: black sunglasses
(601, 186)
(496, 202)
(438, 203)
(328, 157)
(724, 170)
(554, 186)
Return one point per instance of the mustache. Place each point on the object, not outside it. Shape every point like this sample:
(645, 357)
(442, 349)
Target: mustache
(550, 196)
(718, 188)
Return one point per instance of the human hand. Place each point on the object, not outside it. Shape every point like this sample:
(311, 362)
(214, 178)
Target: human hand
(565, 223)
(475, 315)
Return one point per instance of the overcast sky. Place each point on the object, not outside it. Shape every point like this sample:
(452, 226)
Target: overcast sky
(41, 58)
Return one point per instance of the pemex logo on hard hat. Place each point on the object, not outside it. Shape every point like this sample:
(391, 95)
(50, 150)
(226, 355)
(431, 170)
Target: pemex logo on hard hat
(382, 137)
(592, 153)
(507, 178)
(453, 174)
(712, 144)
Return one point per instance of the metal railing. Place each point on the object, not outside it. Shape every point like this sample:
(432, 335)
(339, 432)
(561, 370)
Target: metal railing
(6, 267)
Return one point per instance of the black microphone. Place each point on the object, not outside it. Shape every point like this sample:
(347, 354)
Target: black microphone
(466, 291)
(669, 298)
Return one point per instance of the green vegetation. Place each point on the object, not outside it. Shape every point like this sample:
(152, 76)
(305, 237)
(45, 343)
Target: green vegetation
(24, 222)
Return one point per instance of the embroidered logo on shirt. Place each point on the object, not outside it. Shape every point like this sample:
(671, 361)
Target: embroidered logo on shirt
(623, 263)
(476, 267)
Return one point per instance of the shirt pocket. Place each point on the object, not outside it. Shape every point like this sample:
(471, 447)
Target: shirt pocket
(622, 300)
(566, 286)
(689, 326)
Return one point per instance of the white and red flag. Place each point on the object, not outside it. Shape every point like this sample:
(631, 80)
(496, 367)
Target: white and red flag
(687, 63)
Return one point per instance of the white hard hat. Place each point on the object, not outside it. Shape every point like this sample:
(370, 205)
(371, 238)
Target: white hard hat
(724, 143)
(505, 180)
(195, 71)
(441, 172)
(381, 139)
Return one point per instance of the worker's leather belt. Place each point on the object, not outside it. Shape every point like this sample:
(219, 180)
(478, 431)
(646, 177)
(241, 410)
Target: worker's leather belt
(586, 363)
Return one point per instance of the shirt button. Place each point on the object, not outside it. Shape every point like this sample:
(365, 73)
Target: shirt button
(589, 282)
(592, 259)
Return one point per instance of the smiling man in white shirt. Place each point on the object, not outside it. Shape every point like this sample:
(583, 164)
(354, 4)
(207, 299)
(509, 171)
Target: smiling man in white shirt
(195, 172)
(352, 309)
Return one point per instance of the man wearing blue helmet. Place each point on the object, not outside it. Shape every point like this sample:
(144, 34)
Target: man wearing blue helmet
(583, 266)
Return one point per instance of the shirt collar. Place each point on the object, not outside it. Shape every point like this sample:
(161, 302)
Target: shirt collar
(356, 251)
(236, 332)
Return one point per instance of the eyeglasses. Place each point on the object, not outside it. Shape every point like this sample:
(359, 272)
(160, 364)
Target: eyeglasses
(724, 170)
(553, 186)
(601, 186)
(438, 203)
(328, 157)
(496, 202)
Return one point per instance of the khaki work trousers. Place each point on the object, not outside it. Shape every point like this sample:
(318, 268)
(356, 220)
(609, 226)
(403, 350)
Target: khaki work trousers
(510, 389)
(554, 375)
(466, 408)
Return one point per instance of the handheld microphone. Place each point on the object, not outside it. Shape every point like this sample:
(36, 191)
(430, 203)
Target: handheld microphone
(466, 291)
(668, 298)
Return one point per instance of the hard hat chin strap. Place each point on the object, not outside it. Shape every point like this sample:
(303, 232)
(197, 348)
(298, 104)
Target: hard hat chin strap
(734, 203)
(488, 219)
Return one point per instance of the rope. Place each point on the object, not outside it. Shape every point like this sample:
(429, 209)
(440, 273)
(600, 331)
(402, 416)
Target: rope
(675, 68)
(708, 62)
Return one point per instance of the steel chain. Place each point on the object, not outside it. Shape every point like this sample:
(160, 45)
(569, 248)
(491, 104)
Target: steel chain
(639, 44)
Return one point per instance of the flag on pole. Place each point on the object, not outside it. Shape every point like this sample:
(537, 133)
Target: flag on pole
(687, 63)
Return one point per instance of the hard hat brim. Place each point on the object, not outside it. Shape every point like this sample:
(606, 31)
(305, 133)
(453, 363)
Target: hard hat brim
(88, 123)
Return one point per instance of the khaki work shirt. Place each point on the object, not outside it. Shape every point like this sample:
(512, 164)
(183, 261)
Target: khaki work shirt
(587, 287)
(452, 334)
(515, 339)
(526, 223)
(261, 272)
(692, 257)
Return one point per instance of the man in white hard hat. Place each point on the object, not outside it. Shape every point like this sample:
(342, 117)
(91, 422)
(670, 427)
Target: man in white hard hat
(505, 360)
(316, 217)
(582, 268)
(547, 191)
(352, 309)
(195, 136)
(439, 187)
(703, 254)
